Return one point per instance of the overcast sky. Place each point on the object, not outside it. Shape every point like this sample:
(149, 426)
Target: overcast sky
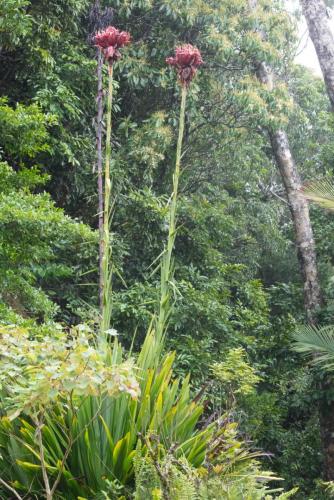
(306, 53)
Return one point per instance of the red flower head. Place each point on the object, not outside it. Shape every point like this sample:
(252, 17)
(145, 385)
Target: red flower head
(110, 41)
(187, 59)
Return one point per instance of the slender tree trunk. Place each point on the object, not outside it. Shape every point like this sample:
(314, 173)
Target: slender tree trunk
(315, 13)
(297, 203)
(99, 133)
(327, 428)
(301, 220)
(306, 251)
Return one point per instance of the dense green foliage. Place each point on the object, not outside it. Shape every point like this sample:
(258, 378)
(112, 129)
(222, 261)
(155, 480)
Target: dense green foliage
(236, 281)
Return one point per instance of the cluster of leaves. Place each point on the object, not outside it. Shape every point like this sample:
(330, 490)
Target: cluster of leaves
(37, 240)
(236, 373)
(39, 368)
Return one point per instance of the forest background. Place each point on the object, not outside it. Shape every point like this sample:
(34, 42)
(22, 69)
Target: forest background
(238, 288)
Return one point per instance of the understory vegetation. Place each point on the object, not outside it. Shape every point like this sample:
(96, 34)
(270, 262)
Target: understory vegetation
(156, 349)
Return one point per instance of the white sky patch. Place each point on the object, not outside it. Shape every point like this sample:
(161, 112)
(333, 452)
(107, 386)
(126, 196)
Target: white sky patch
(306, 54)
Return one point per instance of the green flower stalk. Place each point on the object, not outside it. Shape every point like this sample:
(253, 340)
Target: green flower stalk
(107, 247)
(109, 41)
(187, 59)
(166, 264)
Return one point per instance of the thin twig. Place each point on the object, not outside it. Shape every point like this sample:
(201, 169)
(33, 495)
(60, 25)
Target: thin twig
(62, 465)
(9, 488)
(38, 424)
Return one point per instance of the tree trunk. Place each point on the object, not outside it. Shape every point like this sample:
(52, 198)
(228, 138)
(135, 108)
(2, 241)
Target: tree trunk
(301, 220)
(327, 428)
(305, 249)
(297, 203)
(315, 13)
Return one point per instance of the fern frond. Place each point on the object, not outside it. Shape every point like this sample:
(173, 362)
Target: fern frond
(321, 192)
(317, 343)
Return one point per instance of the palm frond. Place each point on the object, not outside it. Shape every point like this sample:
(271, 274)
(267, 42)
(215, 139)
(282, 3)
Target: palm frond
(317, 343)
(321, 192)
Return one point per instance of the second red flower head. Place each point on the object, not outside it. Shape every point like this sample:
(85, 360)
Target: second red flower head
(187, 60)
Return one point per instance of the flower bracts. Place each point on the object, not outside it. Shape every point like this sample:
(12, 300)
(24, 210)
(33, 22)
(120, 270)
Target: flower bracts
(110, 41)
(187, 60)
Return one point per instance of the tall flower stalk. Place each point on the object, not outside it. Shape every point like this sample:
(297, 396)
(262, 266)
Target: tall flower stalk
(106, 267)
(186, 60)
(99, 133)
(98, 20)
(109, 41)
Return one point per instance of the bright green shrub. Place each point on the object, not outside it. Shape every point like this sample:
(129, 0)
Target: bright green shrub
(106, 432)
(231, 473)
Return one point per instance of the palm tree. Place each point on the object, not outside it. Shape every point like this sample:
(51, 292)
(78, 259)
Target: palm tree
(318, 342)
(321, 192)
